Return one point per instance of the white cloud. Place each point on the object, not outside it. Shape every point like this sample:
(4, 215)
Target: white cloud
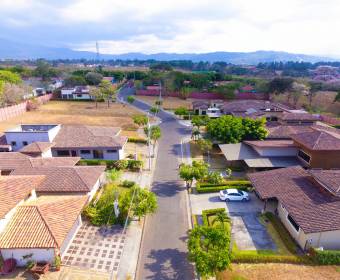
(149, 26)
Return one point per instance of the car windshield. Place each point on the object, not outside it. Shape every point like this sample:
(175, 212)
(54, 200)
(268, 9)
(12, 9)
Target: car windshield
(240, 192)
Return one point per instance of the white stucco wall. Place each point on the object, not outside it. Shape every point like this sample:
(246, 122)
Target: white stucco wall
(97, 185)
(38, 255)
(119, 154)
(66, 92)
(84, 96)
(71, 234)
(276, 152)
(47, 154)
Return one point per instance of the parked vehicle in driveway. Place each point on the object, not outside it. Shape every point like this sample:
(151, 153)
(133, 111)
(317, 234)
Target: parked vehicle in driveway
(234, 195)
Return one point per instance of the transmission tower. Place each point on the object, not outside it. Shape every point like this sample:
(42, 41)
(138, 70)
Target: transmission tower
(97, 49)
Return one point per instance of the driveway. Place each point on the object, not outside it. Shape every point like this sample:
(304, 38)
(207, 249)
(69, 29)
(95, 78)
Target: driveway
(95, 248)
(247, 231)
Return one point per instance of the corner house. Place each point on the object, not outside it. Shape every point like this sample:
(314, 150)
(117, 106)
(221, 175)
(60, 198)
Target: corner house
(308, 203)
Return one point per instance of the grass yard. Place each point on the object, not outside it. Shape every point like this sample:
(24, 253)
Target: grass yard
(68, 112)
(169, 103)
(280, 272)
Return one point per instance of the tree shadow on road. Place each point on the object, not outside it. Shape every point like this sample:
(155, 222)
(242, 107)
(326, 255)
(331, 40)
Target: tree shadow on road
(167, 189)
(169, 264)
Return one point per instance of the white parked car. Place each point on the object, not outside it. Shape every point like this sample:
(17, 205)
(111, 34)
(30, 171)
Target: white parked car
(234, 195)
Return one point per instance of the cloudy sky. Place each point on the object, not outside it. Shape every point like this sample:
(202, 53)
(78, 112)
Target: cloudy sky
(150, 26)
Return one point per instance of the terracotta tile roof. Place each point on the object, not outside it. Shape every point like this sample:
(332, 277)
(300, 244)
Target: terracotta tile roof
(15, 160)
(271, 143)
(13, 189)
(244, 105)
(37, 147)
(200, 104)
(286, 131)
(42, 225)
(328, 178)
(65, 179)
(82, 136)
(318, 140)
(54, 161)
(313, 207)
(286, 116)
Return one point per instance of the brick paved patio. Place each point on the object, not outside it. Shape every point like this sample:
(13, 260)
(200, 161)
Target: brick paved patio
(96, 248)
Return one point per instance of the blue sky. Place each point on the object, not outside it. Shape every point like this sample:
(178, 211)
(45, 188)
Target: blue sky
(150, 26)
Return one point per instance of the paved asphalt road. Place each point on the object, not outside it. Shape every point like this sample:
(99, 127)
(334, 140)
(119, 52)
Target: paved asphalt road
(163, 251)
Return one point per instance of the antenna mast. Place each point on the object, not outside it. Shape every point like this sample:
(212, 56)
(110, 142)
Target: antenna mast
(97, 49)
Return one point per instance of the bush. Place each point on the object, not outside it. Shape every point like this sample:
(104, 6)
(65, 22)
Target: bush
(326, 257)
(114, 164)
(128, 184)
(137, 140)
(210, 212)
(214, 177)
(283, 232)
(255, 257)
(208, 188)
(181, 111)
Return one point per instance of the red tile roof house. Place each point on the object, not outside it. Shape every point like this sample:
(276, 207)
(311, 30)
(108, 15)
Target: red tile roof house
(308, 203)
(88, 142)
(43, 227)
(63, 180)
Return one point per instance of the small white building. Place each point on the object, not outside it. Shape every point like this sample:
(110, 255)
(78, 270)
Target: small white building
(76, 93)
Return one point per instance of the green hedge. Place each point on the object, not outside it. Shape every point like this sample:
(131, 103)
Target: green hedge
(249, 257)
(326, 257)
(283, 232)
(114, 164)
(208, 188)
(137, 140)
(210, 212)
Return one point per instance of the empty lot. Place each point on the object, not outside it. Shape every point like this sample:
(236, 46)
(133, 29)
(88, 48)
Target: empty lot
(74, 112)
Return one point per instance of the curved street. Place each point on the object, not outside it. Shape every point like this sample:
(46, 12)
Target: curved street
(163, 253)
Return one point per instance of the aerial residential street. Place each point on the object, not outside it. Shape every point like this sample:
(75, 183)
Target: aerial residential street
(163, 250)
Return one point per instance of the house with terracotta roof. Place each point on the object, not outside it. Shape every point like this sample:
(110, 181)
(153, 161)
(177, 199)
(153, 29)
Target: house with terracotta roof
(319, 148)
(88, 142)
(308, 203)
(15, 160)
(76, 93)
(66, 180)
(43, 228)
(300, 118)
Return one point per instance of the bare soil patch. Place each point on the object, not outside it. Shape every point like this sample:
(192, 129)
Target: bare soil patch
(169, 103)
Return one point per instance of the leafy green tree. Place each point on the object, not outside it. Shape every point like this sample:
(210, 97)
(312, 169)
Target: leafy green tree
(204, 145)
(154, 110)
(142, 202)
(229, 129)
(155, 134)
(181, 111)
(140, 120)
(9, 77)
(96, 94)
(197, 170)
(130, 99)
(43, 70)
(209, 249)
(214, 177)
(195, 134)
(221, 218)
(74, 80)
(280, 85)
(337, 97)
(185, 92)
(93, 78)
(199, 121)
(107, 91)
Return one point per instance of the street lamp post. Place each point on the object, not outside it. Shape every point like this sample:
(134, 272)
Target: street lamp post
(149, 141)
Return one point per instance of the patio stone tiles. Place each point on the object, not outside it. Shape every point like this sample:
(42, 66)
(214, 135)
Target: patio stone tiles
(96, 248)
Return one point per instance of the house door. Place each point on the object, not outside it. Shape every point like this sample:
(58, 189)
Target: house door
(98, 154)
(73, 153)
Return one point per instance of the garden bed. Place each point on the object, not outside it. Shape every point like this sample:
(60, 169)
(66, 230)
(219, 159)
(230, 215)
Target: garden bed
(209, 188)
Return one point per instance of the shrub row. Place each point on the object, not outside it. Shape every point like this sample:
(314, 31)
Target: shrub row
(326, 257)
(114, 164)
(249, 257)
(137, 140)
(210, 212)
(283, 232)
(208, 188)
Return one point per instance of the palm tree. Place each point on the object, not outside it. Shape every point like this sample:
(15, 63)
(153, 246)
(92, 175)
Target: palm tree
(221, 217)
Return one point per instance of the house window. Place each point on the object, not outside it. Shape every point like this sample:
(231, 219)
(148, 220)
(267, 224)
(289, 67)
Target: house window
(24, 143)
(111, 151)
(304, 156)
(13, 143)
(293, 223)
(63, 153)
(85, 151)
(79, 95)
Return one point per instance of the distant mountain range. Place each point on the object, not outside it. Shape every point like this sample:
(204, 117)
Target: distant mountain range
(13, 50)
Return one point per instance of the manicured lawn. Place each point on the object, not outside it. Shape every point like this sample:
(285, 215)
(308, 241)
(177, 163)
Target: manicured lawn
(68, 112)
